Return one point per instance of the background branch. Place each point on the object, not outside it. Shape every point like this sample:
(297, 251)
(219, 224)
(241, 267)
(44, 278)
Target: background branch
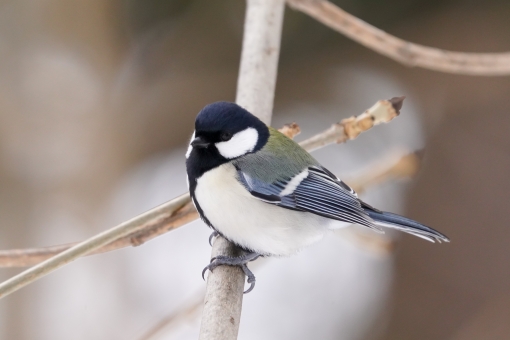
(168, 220)
(410, 54)
(89, 245)
(188, 311)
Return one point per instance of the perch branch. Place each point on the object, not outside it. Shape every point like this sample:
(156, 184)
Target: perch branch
(405, 52)
(255, 92)
(223, 300)
(164, 218)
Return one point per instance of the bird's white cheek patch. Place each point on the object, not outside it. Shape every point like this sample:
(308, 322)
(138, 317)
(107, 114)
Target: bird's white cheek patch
(190, 148)
(240, 144)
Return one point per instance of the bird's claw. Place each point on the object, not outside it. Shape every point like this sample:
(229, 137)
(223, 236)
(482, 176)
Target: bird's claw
(240, 261)
(250, 278)
(213, 235)
(203, 272)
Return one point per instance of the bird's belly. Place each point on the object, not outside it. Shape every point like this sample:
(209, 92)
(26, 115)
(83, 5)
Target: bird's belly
(251, 223)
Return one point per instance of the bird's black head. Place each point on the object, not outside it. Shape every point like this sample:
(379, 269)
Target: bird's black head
(223, 131)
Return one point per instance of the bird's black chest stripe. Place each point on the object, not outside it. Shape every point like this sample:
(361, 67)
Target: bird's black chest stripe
(192, 189)
(198, 163)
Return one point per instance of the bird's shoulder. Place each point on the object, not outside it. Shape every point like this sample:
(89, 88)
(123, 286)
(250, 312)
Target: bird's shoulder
(280, 159)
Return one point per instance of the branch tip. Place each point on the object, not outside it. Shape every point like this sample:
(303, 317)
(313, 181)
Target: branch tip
(420, 154)
(397, 103)
(290, 130)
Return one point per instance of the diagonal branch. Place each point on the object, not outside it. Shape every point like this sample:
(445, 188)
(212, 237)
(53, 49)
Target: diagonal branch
(86, 247)
(157, 221)
(170, 220)
(405, 52)
(382, 112)
(167, 221)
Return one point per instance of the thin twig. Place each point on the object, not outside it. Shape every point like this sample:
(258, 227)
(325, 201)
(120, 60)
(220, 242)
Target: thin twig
(89, 245)
(406, 166)
(382, 112)
(168, 220)
(189, 311)
(405, 52)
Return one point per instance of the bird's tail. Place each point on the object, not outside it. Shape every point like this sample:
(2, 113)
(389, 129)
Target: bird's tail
(390, 220)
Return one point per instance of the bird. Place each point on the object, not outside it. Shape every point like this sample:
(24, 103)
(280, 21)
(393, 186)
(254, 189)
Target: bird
(263, 192)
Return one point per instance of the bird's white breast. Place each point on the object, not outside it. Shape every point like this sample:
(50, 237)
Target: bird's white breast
(251, 223)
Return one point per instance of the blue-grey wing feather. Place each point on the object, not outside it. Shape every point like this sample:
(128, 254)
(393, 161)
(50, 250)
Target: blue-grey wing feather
(320, 193)
(268, 192)
(323, 194)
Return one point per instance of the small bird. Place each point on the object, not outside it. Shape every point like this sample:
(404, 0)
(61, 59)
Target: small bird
(263, 192)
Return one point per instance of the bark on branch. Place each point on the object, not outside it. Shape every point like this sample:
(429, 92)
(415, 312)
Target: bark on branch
(255, 92)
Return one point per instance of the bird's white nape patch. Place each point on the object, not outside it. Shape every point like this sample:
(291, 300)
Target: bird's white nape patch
(190, 147)
(294, 182)
(240, 143)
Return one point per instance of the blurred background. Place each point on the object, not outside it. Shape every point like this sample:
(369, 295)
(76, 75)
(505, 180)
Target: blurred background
(97, 102)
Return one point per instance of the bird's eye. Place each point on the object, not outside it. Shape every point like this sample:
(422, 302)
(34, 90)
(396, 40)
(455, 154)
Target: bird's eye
(225, 136)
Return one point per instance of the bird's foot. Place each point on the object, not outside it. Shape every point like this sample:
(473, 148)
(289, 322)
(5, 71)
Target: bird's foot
(240, 262)
(213, 235)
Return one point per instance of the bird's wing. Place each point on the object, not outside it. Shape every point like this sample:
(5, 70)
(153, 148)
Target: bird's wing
(315, 190)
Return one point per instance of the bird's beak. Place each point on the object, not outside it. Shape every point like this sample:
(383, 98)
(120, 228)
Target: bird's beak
(199, 142)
